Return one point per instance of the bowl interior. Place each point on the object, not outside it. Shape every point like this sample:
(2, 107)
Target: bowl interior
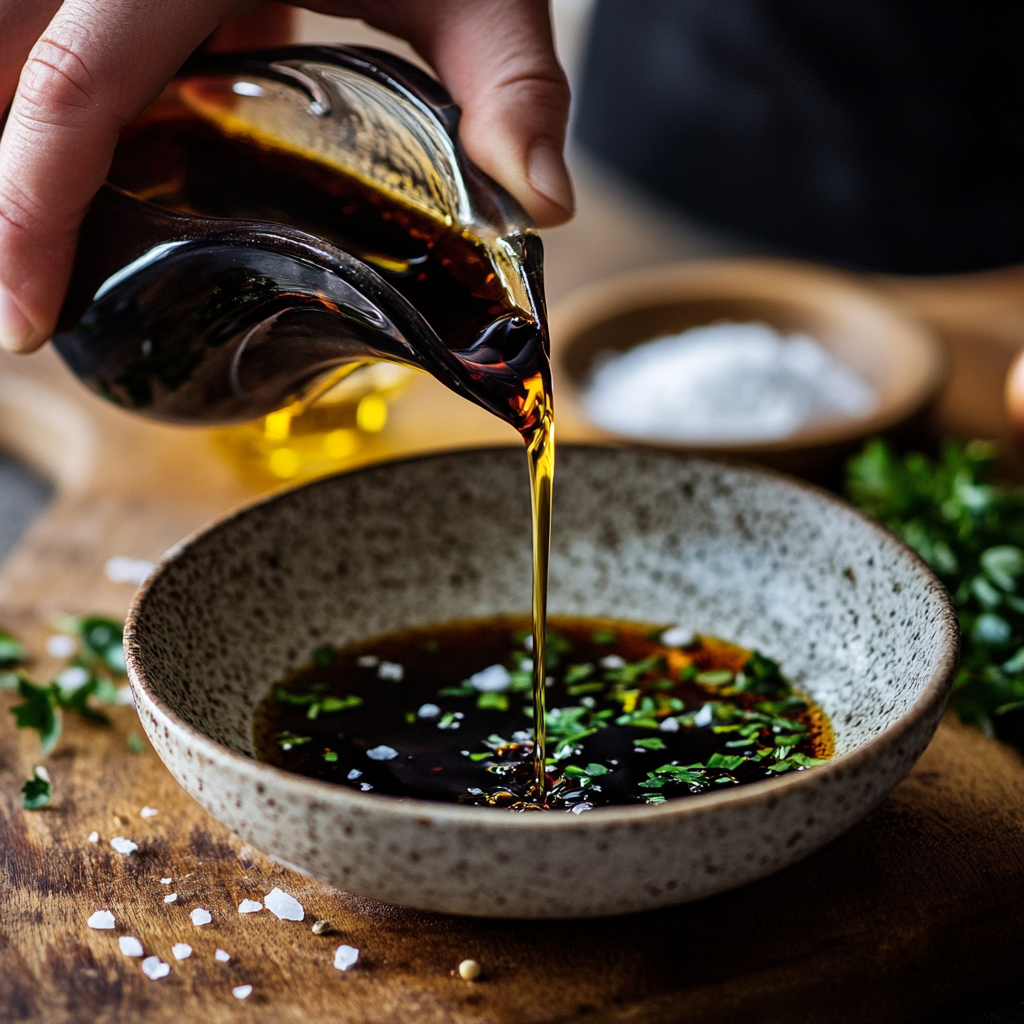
(855, 619)
(860, 327)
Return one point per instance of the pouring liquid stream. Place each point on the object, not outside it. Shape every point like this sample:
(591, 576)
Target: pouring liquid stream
(188, 155)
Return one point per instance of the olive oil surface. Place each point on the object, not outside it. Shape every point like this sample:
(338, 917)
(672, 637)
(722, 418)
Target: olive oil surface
(635, 715)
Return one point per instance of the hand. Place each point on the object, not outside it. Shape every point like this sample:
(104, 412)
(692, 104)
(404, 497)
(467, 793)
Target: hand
(89, 67)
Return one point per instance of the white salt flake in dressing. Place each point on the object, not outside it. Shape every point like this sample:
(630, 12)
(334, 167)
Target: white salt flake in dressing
(724, 382)
(153, 967)
(678, 636)
(73, 678)
(148, 812)
(201, 916)
(382, 753)
(354, 774)
(60, 645)
(613, 661)
(494, 679)
(130, 946)
(428, 711)
(669, 725)
(166, 881)
(249, 906)
(242, 991)
(390, 670)
(703, 717)
(222, 955)
(365, 787)
(181, 950)
(171, 897)
(101, 920)
(94, 837)
(286, 907)
(346, 957)
(368, 661)
(122, 845)
(580, 808)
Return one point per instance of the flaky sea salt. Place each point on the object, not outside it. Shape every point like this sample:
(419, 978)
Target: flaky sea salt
(102, 919)
(94, 837)
(669, 725)
(171, 897)
(130, 946)
(704, 716)
(428, 711)
(368, 661)
(286, 907)
(201, 916)
(242, 991)
(121, 569)
(613, 661)
(148, 812)
(249, 906)
(154, 968)
(222, 955)
(678, 636)
(122, 845)
(181, 950)
(724, 382)
(494, 679)
(166, 881)
(71, 679)
(60, 645)
(354, 774)
(382, 753)
(125, 697)
(390, 670)
(346, 957)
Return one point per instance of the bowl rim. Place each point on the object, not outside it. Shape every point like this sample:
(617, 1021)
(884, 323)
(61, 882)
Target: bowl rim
(932, 696)
(684, 281)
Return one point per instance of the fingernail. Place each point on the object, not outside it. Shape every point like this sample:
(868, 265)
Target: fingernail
(546, 170)
(16, 331)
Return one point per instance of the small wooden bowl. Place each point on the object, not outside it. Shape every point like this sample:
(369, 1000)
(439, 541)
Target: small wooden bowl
(859, 324)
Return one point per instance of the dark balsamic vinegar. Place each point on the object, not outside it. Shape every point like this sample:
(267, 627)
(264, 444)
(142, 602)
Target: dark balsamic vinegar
(202, 164)
(444, 713)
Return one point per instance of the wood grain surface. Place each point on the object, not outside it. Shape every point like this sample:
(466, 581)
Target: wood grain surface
(919, 906)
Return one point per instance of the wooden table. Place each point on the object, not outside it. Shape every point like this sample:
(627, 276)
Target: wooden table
(920, 905)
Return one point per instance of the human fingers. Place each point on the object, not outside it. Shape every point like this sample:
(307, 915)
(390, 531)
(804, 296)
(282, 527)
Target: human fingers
(498, 61)
(1014, 393)
(94, 68)
(21, 22)
(267, 24)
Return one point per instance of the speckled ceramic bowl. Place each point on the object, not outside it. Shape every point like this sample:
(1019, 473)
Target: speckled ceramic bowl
(854, 617)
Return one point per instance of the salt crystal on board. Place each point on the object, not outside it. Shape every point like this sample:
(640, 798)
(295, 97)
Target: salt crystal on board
(181, 950)
(166, 881)
(428, 711)
(102, 919)
(390, 670)
(354, 774)
(94, 837)
(365, 787)
(382, 753)
(201, 916)
(346, 957)
(367, 661)
(286, 907)
(222, 955)
(60, 645)
(148, 812)
(153, 967)
(669, 725)
(130, 946)
(249, 906)
(703, 717)
(242, 991)
(613, 661)
(122, 845)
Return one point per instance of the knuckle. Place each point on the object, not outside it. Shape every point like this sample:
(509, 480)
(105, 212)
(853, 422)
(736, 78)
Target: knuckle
(56, 85)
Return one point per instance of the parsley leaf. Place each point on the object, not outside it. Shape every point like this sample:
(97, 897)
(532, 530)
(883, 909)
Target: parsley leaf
(37, 791)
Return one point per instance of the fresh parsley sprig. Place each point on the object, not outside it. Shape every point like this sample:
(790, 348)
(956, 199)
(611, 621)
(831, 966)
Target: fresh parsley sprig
(971, 532)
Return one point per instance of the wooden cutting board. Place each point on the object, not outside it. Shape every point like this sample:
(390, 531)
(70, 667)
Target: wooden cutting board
(919, 906)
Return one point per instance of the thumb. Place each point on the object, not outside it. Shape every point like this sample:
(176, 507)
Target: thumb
(498, 61)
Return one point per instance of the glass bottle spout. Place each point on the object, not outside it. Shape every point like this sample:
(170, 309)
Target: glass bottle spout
(276, 216)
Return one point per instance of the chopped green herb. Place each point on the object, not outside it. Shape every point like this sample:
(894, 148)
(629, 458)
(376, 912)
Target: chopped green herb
(577, 673)
(287, 740)
(653, 743)
(494, 701)
(730, 762)
(39, 712)
(331, 756)
(12, 651)
(604, 637)
(37, 791)
(324, 655)
(719, 677)
(136, 744)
